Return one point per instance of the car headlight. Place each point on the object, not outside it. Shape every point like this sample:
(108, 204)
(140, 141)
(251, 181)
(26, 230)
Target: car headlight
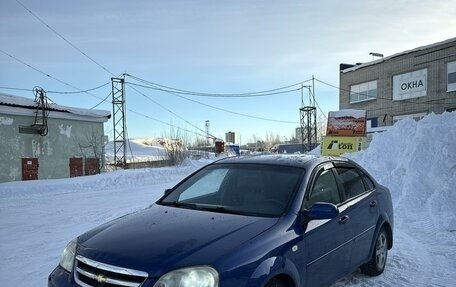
(198, 276)
(67, 258)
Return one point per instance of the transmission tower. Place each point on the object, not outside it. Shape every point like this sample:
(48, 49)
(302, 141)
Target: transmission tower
(308, 119)
(118, 119)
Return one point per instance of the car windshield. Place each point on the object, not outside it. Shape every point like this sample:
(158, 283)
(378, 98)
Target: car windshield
(248, 189)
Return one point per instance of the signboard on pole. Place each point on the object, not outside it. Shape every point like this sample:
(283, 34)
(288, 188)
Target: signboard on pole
(337, 145)
(346, 123)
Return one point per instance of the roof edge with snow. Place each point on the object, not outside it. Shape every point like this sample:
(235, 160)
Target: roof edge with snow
(11, 104)
(356, 67)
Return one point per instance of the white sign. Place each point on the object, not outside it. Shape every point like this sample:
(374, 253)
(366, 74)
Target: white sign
(410, 85)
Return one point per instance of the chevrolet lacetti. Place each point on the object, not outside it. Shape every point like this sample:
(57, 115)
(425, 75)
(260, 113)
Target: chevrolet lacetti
(269, 220)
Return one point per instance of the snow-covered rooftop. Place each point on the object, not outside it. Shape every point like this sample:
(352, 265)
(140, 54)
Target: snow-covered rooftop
(356, 67)
(14, 102)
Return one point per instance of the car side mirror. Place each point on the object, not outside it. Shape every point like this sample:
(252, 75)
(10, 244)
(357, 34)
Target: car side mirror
(322, 210)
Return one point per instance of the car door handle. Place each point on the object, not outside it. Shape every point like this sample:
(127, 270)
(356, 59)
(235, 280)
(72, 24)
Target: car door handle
(373, 203)
(344, 219)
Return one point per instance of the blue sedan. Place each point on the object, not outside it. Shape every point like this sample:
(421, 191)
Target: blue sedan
(270, 220)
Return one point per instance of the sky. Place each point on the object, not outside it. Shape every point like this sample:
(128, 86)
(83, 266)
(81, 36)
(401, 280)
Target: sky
(215, 47)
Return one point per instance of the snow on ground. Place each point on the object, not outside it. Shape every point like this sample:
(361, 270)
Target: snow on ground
(139, 150)
(416, 160)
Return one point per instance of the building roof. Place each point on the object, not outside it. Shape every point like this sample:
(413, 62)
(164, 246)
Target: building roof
(356, 67)
(12, 104)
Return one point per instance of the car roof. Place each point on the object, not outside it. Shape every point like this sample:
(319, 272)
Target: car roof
(293, 160)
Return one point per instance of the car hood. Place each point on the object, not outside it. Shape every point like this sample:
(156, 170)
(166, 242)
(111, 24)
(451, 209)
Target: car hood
(160, 238)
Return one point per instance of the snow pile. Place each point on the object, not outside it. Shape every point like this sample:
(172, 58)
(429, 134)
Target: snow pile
(417, 161)
(138, 150)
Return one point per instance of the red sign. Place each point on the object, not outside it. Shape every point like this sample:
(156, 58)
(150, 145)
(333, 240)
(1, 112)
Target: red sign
(346, 123)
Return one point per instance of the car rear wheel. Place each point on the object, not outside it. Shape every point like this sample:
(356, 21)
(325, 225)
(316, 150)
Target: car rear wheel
(378, 260)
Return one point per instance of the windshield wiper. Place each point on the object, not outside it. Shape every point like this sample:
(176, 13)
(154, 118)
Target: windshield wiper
(222, 209)
(180, 204)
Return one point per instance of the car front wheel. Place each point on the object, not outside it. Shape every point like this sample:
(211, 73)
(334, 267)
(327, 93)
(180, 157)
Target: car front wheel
(378, 260)
(276, 283)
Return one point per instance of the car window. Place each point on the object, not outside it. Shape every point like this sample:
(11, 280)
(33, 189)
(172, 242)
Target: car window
(324, 189)
(207, 184)
(351, 181)
(250, 189)
(367, 182)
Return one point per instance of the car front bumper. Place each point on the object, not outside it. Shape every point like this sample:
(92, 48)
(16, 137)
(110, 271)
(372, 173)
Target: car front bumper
(61, 278)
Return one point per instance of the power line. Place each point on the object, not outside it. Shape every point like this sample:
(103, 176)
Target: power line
(217, 95)
(58, 34)
(102, 101)
(162, 122)
(16, 89)
(54, 78)
(37, 70)
(78, 92)
(168, 110)
(225, 110)
(270, 92)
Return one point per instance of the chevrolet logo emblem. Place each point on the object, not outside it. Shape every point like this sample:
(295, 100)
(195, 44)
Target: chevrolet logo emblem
(101, 278)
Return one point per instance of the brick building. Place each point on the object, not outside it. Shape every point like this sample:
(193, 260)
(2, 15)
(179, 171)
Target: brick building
(408, 84)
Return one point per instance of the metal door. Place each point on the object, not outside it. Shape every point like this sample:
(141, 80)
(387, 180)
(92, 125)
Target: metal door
(30, 168)
(76, 168)
(92, 166)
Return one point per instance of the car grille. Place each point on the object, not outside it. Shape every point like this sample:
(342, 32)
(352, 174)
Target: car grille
(90, 273)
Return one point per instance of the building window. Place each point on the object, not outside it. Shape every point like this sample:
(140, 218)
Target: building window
(371, 123)
(416, 117)
(410, 85)
(363, 92)
(451, 76)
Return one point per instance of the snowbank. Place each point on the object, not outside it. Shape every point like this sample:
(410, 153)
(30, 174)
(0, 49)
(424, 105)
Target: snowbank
(417, 161)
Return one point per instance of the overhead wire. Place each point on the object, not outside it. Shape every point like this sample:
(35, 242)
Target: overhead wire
(224, 110)
(219, 95)
(163, 122)
(263, 93)
(62, 37)
(72, 45)
(54, 78)
(166, 109)
(16, 89)
(102, 101)
(78, 92)
(37, 70)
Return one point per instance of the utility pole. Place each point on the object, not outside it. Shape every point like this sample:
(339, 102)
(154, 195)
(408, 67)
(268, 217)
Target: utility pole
(308, 116)
(119, 120)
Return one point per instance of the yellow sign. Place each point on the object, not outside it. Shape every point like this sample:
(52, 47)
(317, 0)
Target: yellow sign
(337, 145)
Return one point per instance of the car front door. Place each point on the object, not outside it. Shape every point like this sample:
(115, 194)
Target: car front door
(326, 248)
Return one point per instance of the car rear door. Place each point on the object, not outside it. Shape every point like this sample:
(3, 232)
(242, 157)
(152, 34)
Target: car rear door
(361, 210)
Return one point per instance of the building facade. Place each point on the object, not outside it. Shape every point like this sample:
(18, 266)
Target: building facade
(49, 141)
(408, 84)
(230, 137)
